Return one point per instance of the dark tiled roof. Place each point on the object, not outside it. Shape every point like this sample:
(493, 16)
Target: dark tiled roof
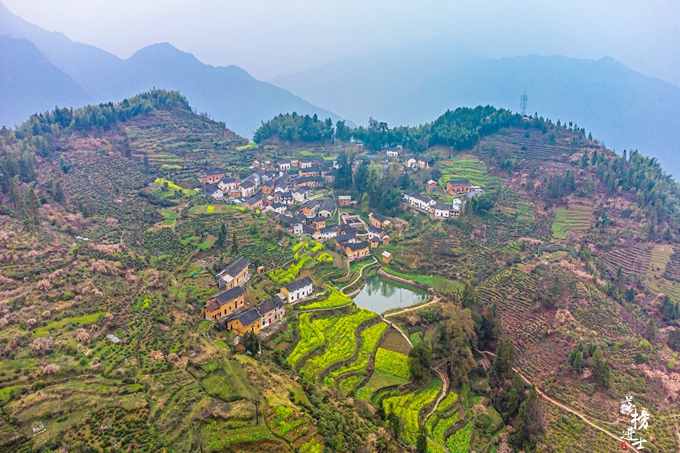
(344, 237)
(212, 306)
(247, 317)
(213, 171)
(442, 207)
(297, 284)
(347, 229)
(247, 184)
(379, 218)
(309, 230)
(228, 180)
(287, 220)
(459, 182)
(357, 246)
(328, 205)
(236, 267)
(229, 295)
(268, 305)
(311, 204)
(417, 196)
(209, 189)
(375, 230)
(305, 179)
(328, 230)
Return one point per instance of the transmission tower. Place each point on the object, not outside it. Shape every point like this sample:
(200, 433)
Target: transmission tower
(523, 103)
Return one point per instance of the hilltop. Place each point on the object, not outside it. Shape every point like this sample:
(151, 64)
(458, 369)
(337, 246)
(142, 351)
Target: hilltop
(623, 108)
(229, 94)
(561, 261)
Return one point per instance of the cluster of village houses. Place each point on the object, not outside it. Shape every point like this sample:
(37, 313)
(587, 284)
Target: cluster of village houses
(272, 188)
(231, 312)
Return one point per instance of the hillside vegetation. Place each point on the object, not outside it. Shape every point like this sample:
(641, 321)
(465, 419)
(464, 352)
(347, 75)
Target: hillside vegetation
(559, 281)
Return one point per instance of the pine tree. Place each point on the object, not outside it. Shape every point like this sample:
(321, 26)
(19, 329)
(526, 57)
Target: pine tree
(234, 244)
(601, 368)
(32, 204)
(221, 237)
(421, 443)
(59, 193)
(469, 298)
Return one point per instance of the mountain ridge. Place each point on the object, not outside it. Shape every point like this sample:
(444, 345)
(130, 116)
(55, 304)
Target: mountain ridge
(624, 108)
(230, 95)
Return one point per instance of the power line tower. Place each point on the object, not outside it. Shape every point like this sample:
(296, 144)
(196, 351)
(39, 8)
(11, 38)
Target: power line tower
(523, 103)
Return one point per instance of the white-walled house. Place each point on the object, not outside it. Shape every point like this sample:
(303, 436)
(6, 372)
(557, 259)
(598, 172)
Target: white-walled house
(440, 210)
(298, 290)
(417, 200)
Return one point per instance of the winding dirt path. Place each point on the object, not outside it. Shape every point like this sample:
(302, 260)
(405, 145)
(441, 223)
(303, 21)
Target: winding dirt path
(445, 391)
(580, 415)
(391, 324)
(361, 274)
(417, 307)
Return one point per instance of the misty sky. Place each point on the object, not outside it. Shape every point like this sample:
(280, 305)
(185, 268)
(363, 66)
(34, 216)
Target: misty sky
(277, 37)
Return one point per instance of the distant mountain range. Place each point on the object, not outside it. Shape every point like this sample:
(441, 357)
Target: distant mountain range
(30, 83)
(623, 108)
(57, 71)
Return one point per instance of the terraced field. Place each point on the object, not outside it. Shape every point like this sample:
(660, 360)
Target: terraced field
(634, 259)
(516, 295)
(183, 137)
(408, 408)
(576, 218)
(467, 167)
(340, 341)
(527, 145)
(672, 268)
(390, 369)
(294, 426)
(357, 369)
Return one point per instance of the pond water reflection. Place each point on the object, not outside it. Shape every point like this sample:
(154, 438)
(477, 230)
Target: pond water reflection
(381, 294)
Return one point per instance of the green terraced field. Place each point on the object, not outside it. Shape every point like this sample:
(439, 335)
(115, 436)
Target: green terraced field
(576, 218)
(370, 338)
(408, 407)
(340, 343)
(467, 167)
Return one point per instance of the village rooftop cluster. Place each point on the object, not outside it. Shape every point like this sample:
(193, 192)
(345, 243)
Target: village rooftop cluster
(292, 191)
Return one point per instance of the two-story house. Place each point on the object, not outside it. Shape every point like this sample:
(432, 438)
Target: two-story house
(211, 176)
(271, 311)
(245, 321)
(235, 274)
(458, 186)
(224, 303)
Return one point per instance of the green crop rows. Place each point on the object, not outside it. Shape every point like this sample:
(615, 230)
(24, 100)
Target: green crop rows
(407, 408)
(393, 363)
(459, 442)
(311, 336)
(335, 299)
(341, 343)
(370, 338)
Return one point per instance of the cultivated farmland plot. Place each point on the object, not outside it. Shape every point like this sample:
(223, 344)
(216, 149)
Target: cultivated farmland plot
(340, 343)
(408, 407)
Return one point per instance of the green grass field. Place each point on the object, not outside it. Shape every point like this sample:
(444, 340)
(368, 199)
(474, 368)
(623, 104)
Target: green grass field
(79, 321)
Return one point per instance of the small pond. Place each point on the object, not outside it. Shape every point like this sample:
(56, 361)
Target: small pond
(381, 294)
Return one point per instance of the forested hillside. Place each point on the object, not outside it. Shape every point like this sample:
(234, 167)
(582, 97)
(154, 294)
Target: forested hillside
(548, 299)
